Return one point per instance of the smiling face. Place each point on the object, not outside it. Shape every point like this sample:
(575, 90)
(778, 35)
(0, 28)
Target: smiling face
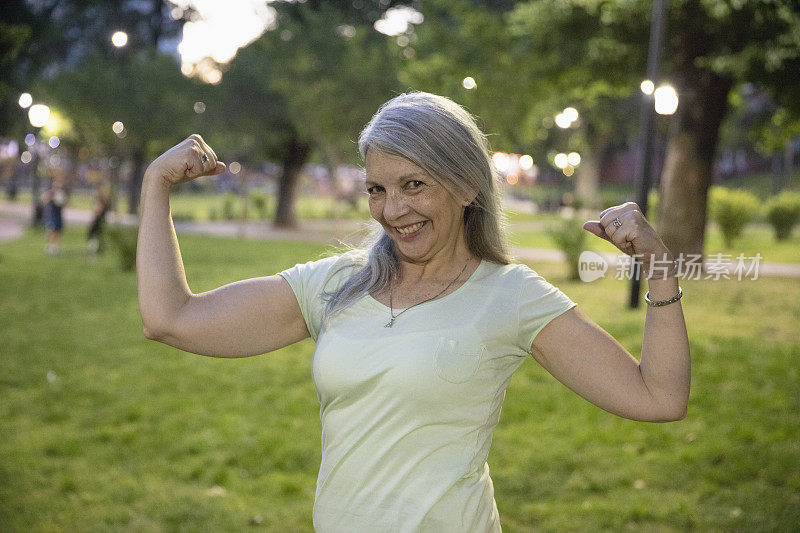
(421, 216)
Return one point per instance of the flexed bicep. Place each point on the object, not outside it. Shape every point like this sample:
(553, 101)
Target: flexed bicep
(244, 318)
(590, 362)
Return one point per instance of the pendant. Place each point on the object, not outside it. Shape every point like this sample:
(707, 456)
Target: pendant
(389, 324)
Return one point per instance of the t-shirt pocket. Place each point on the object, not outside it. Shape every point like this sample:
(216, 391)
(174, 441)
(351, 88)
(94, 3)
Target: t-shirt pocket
(457, 360)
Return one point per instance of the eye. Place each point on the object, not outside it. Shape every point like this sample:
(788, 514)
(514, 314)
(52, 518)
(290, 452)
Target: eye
(414, 184)
(374, 189)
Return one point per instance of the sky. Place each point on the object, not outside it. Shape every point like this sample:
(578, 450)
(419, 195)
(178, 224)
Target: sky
(222, 27)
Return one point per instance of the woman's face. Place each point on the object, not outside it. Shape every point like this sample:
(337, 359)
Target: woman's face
(419, 214)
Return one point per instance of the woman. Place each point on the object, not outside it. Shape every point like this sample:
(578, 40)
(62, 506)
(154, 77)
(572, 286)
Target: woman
(417, 336)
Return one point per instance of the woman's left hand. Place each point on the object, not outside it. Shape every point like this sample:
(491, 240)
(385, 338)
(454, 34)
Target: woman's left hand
(625, 227)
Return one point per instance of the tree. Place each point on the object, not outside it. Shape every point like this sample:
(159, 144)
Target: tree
(525, 74)
(62, 38)
(710, 47)
(148, 95)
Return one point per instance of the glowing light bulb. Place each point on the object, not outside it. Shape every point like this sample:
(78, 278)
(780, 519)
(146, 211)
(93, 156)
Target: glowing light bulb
(666, 100)
(38, 114)
(25, 100)
(574, 159)
(119, 39)
(571, 113)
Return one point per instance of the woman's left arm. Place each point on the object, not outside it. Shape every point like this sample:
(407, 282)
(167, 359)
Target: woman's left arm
(585, 358)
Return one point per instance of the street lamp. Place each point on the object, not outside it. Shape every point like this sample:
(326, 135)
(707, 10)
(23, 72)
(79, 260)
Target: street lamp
(119, 39)
(25, 100)
(38, 115)
(666, 100)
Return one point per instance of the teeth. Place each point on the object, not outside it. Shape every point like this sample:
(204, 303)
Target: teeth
(410, 229)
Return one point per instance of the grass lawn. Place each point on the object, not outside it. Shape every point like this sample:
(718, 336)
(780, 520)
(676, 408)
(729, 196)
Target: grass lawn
(201, 207)
(101, 429)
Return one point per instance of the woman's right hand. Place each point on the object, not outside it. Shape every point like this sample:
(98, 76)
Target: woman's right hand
(186, 161)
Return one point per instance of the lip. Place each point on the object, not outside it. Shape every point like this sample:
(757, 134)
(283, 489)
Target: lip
(412, 234)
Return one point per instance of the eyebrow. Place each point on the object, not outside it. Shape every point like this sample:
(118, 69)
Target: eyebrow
(413, 174)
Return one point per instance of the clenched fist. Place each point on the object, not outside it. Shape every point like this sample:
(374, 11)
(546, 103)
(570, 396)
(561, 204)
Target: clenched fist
(626, 228)
(186, 161)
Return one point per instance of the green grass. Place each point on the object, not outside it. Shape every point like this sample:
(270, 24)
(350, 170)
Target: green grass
(132, 434)
(192, 206)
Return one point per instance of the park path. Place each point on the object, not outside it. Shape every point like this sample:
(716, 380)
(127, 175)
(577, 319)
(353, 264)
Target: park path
(14, 218)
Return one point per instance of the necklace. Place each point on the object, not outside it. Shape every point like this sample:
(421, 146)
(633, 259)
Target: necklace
(391, 308)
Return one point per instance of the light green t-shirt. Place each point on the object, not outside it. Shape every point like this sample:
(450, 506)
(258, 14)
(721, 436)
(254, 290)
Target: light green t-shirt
(408, 412)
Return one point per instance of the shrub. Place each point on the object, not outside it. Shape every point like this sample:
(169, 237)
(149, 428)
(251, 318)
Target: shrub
(570, 238)
(212, 214)
(183, 216)
(123, 239)
(783, 212)
(229, 206)
(259, 200)
(732, 209)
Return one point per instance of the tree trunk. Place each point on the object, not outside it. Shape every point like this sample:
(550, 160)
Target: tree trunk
(689, 161)
(295, 156)
(135, 183)
(37, 219)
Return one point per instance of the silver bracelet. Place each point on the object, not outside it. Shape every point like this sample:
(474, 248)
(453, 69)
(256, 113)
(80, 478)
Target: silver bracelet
(659, 303)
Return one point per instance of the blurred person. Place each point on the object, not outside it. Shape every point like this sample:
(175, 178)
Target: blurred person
(102, 203)
(418, 333)
(54, 200)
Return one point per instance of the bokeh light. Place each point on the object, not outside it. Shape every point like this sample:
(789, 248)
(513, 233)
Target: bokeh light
(647, 87)
(562, 121)
(30, 139)
(54, 142)
(119, 39)
(500, 160)
(571, 113)
(26, 157)
(38, 115)
(398, 20)
(561, 160)
(117, 127)
(568, 171)
(25, 100)
(526, 162)
(666, 100)
(199, 107)
(235, 167)
(469, 83)
(574, 159)
(512, 179)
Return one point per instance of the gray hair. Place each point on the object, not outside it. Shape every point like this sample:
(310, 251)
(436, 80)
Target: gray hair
(439, 136)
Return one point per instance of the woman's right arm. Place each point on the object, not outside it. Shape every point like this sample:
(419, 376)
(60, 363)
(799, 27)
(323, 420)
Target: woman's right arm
(244, 318)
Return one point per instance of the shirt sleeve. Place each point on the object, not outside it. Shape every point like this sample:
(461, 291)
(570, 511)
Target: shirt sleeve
(310, 281)
(539, 303)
